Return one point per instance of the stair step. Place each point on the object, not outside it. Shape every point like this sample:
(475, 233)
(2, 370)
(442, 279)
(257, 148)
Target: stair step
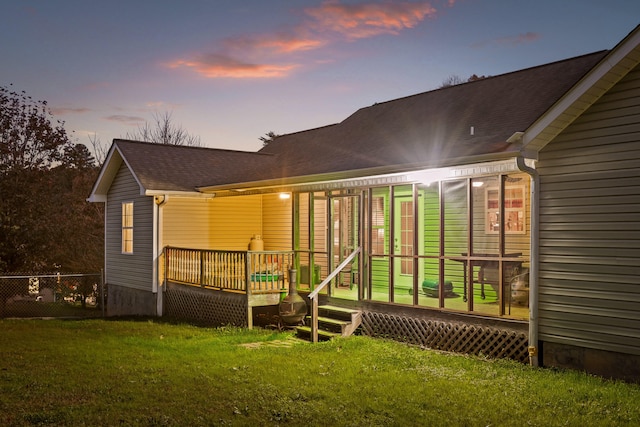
(304, 332)
(330, 324)
(335, 312)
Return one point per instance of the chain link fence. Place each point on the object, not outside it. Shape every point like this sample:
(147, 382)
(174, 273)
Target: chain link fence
(52, 295)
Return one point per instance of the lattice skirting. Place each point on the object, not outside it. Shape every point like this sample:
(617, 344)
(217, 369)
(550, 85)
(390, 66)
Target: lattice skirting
(455, 337)
(215, 308)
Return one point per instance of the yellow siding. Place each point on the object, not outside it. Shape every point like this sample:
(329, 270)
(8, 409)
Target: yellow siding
(276, 231)
(234, 220)
(186, 223)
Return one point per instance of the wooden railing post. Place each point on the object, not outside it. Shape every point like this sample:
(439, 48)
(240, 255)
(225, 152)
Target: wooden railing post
(201, 281)
(314, 320)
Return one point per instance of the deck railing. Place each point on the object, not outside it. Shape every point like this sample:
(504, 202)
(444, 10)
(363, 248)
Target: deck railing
(251, 272)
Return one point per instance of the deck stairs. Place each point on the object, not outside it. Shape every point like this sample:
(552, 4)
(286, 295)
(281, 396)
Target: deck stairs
(333, 322)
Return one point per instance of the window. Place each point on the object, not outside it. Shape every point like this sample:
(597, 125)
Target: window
(377, 226)
(127, 227)
(514, 210)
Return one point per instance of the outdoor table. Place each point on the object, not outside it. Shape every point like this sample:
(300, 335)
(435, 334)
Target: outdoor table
(485, 264)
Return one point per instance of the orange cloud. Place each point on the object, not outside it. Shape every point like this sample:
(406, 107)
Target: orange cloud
(222, 66)
(358, 21)
(277, 43)
(318, 29)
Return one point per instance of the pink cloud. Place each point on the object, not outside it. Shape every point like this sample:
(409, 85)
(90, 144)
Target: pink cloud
(357, 21)
(221, 66)
(265, 56)
(279, 43)
(131, 120)
(69, 110)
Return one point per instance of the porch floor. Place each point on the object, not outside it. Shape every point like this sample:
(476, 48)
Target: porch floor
(487, 306)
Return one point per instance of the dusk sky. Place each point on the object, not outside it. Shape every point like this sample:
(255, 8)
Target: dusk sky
(230, 71)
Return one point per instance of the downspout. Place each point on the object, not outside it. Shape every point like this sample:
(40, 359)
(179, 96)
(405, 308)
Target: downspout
(534, 259)
(157, 286)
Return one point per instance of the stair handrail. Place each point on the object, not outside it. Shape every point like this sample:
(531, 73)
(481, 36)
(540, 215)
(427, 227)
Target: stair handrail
(313, 296)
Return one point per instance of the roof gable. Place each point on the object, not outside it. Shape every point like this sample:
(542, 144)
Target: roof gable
(166, 169)
(602, 77)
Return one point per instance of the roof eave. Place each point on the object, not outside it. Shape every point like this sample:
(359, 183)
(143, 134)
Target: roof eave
(348, 178)
(176, 193)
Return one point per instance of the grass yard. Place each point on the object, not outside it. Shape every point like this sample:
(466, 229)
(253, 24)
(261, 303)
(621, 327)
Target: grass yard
(150, 373)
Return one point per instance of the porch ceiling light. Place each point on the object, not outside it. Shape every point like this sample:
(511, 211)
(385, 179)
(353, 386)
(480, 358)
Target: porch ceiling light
(285, 196)
(477, 184)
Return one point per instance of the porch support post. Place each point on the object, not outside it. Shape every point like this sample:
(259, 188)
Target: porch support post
(392, 237)
(416, 244)
(247, 286)
(311, 235)
(469, 246)
(249, 315)
(441, 247)
(295, 229)
(361, 231)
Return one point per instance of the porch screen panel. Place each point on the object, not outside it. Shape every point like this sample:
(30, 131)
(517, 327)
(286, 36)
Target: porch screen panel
(303, 220)
(485, 192)
(517, 214)
(379, 259)
(403, 244)
(320, 234)
(380, 279)
(303, 244)
(516, 242)
(429, 250)
(455, 235)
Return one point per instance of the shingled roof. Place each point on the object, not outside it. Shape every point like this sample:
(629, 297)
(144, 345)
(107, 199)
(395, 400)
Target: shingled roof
(433, 128)
(184, 168)
(459, 124)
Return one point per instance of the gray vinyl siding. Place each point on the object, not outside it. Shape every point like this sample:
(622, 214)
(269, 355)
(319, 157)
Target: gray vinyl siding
(129, 270)
(590, 226)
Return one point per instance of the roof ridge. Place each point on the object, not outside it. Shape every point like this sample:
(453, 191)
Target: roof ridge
(522, 70)
(174, 146)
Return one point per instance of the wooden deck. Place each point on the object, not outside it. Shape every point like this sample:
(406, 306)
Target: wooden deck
(261, 275)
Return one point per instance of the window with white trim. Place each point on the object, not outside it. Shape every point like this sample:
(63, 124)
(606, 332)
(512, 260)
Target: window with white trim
(377, 226)
(514, 210)
(127, 227)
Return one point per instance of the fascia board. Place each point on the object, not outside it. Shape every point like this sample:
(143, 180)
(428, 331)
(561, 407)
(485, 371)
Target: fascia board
(107, 174)
(592, 86)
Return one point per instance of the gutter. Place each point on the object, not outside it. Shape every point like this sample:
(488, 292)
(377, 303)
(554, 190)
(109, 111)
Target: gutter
(159, 201)
(534, 257)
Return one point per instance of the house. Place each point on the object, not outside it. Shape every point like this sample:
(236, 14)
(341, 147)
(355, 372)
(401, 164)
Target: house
(498, 217)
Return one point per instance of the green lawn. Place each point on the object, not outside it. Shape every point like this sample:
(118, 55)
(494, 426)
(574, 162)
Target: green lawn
(149, 373)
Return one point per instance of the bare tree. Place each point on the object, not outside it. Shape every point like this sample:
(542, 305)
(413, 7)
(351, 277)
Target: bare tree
(100, 150)
(268, 138)
(164, 131)
(453, 80)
